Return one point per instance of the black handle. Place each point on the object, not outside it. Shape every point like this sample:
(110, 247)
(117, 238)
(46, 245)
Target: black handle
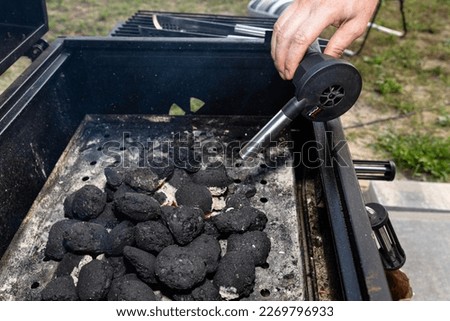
(375, 170)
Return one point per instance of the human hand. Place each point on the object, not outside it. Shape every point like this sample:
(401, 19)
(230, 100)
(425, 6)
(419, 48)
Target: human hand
(303, 21)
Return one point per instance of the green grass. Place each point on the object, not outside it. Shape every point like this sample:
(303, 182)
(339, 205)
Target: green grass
(98, 17)
(419, 153)
(412, 75)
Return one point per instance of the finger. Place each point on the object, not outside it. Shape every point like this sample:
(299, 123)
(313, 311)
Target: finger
(282, 19)
(279, 31)
(343, 37)
(305, 35)
(291, 32)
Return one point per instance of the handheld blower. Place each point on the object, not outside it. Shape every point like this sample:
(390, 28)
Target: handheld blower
(325, 89)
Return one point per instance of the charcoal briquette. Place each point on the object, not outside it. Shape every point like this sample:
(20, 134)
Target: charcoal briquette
(55, 249)
(166, 212)
(86, 237)
(207, 291)
(235, 275)
(178, 268)
(60, 289)
(163, 167)
(249, 190)
(94, 280)
(194, 195)
(68, 206)
(234, 220)
(138, 207)
(208, 248)
(215, 176)
(142, 179)
(181, 296)
(109, 193)
(130, 288)
(68, 263)
(114, 177)
(118, 264)
(259, 218)
(107, 218)
(179, 178)
(122, 190)
(119, 237)
(186, 158)
(152, 236)
(160, 197)
(237, 201)
(143, 262)
(185, 223)
(256, 243)
(211, 229)
(88, 202)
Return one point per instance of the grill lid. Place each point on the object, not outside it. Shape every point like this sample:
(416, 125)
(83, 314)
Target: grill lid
(22, 24)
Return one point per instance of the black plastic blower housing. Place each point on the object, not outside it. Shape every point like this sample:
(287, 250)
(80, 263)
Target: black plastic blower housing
(330, 86)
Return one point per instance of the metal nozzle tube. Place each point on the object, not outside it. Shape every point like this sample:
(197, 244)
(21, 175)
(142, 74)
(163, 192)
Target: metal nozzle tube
(273, 128)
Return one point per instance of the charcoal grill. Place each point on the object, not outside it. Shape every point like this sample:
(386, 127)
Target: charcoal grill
(59, 110)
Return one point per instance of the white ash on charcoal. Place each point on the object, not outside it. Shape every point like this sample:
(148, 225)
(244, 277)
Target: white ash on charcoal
(257, 243)
(152, 236)
(143, 263)
(86, 238)
(86, 203)
(130, 288)
(185, 223)
(119, 237)
(138, 207)
(179, 269)
(194, 195)
(76, 271)
(94, 280)
(235, 276)
(60, 289)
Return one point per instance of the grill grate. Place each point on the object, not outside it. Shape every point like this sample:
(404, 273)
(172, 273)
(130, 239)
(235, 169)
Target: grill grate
(23, 273)
(143, 24)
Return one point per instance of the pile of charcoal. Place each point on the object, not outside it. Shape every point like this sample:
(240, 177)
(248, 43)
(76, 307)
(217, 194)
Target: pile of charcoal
(131, 241)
